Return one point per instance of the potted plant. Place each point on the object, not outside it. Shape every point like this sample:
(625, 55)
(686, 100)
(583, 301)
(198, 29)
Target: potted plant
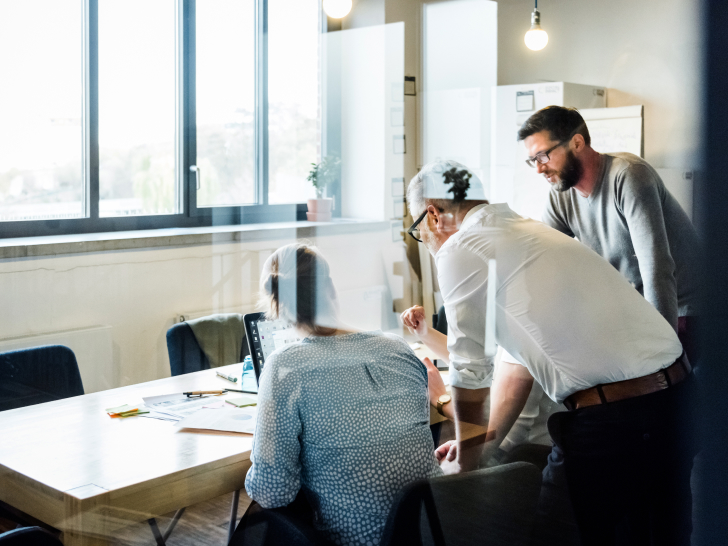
(321, 175)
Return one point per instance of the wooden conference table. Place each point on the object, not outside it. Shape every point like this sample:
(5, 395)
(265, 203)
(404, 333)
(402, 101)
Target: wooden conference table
(71, 466)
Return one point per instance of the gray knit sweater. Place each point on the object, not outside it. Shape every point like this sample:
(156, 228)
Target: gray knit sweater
(634, 222)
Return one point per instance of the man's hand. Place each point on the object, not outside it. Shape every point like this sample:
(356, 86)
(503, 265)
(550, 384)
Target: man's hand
(414, 319)
(447, 451)
(435, 384)
(446, 456)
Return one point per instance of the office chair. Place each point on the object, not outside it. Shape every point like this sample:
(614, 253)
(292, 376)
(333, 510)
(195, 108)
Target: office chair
(494, 506)
(37, 375)
(185, 353)
(186, 356)
(29, 536)
(34, 376)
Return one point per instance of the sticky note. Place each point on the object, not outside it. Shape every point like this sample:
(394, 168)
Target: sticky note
(243, 401)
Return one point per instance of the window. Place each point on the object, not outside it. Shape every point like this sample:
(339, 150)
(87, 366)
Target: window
(140, 114)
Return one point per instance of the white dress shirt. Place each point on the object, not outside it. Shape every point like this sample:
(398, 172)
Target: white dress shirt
(531, 426)
(561, 310)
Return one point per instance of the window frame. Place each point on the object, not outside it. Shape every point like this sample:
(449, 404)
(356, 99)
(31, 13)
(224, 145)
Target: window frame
(190, 214)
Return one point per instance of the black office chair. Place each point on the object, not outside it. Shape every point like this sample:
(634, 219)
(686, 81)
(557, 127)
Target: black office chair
(34, 376)
(186, 356)
(185, 353)
(494, 506)
(37, 375)
(29, 536)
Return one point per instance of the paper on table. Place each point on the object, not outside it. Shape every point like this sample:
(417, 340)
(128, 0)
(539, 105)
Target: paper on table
(176, 405)
(228, 420)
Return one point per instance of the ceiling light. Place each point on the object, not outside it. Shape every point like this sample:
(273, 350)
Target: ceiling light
(536, 38)
(336, 9)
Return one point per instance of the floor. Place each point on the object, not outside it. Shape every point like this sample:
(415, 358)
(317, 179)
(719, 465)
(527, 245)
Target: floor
(201, 525)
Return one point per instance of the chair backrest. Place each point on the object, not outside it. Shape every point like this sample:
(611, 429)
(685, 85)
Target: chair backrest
(37, 375)
(291, 525)
(29, 536)
(185, 354)
(494, 506)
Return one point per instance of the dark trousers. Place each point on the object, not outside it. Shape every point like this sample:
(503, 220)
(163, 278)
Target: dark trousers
(627, 466)
(687, 332)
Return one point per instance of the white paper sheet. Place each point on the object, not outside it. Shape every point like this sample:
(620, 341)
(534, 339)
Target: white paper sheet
(178, 405)
(228, 420)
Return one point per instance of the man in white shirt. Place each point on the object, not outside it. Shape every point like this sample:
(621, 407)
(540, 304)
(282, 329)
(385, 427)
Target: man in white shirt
(572, 322)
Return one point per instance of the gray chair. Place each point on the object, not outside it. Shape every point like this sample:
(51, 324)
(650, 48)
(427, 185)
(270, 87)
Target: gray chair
(494, 506)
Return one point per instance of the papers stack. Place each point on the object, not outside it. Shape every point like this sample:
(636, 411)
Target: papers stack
(207, 412)
(227, 420)
(175, 407)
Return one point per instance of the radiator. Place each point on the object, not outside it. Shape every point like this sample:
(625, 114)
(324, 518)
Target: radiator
(92, 347)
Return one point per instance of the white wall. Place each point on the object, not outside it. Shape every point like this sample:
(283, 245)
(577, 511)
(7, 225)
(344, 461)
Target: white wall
(645, 52)
(139, 292)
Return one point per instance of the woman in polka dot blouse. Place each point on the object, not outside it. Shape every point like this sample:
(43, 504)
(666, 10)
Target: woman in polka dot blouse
(343, 415)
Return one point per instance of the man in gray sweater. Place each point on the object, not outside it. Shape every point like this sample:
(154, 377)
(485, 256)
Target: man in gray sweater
(617, 205)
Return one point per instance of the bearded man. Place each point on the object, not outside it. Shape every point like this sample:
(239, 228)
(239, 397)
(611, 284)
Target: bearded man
(617, 205)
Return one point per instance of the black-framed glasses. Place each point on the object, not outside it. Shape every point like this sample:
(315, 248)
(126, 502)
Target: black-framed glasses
(543, 157)
(414, 230)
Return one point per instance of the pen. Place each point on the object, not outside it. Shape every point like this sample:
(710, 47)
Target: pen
(228, 377)
(200, 393)
(246, 392)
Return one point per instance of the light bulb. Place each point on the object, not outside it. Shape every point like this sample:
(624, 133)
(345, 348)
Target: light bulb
(536, 38)
(336, 9)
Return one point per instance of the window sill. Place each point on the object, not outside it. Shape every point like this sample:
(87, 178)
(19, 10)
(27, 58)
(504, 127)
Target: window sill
(29, 247)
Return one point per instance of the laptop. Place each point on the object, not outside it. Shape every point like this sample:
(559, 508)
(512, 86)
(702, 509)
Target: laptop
(265, 336)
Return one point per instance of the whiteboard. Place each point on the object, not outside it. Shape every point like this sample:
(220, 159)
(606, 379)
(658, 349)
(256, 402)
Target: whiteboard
(616, 129)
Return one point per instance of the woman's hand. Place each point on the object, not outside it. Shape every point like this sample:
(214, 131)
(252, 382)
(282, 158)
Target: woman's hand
(414, 319)
(435, 384)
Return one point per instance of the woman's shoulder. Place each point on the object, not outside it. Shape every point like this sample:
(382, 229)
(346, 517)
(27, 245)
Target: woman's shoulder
(388, 339)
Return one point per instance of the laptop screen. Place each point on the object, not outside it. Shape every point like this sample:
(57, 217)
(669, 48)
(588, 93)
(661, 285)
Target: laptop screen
(265, 336)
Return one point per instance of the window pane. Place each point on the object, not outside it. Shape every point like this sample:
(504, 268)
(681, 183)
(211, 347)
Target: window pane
(137, 107)
(225, 64)
(41, 109)
(293, 83)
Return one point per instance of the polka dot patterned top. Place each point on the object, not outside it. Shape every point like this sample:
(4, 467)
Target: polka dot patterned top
(346, 418)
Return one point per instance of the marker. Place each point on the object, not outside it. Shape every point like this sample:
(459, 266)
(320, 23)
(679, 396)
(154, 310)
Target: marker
(228, 377)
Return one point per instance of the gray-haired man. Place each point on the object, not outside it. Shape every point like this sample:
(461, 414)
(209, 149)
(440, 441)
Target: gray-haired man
(571, 322)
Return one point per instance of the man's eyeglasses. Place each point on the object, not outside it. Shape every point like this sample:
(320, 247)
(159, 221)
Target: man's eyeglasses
(543, 157)
(414, 230)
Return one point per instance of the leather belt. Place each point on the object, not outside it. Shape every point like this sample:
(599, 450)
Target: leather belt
(631, 388)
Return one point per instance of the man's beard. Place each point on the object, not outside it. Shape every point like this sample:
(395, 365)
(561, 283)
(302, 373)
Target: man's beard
(570, 175)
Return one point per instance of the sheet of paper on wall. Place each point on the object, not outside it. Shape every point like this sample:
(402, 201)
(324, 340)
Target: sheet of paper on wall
(226, 420)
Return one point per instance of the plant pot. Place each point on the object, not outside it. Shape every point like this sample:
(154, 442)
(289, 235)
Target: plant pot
(318, 216)
(320, 205)
(319, 210)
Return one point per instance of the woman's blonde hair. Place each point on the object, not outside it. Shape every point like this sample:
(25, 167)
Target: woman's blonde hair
(296, 286)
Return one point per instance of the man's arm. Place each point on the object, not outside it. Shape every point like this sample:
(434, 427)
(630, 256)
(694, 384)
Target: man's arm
(414, 319)
(554, 217)
(463, 279)
(642, 208)
(508, 395)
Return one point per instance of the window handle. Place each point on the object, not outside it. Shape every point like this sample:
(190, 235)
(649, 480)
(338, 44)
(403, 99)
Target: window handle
(195, 169)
